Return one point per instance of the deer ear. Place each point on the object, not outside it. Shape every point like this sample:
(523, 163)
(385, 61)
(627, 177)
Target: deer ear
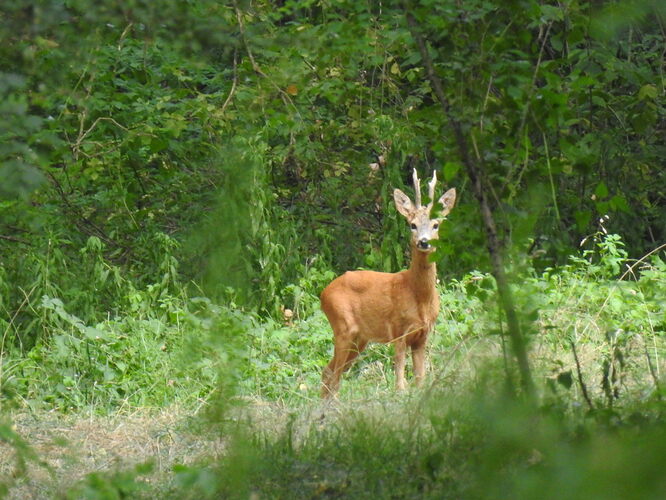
(447, 201)
(403, 203)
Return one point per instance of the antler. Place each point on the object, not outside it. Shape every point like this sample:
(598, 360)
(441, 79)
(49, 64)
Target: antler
(417, 189)
(431, 189)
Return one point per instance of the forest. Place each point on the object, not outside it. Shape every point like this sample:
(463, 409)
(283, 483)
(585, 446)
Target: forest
(180, 180)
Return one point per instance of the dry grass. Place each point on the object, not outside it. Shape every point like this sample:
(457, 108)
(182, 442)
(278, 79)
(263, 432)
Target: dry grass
(71, 446)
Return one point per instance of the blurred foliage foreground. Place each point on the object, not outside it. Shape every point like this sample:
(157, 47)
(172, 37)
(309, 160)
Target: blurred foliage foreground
(179, 180)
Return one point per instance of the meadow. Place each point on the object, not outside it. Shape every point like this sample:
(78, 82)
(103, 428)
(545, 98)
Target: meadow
(195, 400)
(179, 181)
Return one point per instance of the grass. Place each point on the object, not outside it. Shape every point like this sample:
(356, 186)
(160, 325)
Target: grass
(465, 443)
(72, 449)
(241, 417)
(453, 449)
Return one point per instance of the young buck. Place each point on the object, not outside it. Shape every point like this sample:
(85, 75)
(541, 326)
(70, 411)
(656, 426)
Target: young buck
(398, 308)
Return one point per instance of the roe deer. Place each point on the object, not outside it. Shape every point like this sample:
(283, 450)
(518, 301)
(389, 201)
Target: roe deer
(398, 308)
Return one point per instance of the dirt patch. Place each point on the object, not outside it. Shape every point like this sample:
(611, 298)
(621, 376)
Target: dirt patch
(70, 447)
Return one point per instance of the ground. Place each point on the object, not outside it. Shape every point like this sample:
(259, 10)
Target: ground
(71, 446)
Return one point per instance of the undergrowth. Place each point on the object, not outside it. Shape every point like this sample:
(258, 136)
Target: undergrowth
(164, 346)
(595, 330)
(465, 441)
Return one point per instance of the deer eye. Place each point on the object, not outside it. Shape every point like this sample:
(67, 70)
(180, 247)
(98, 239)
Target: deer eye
(413, 227)
(435, 225)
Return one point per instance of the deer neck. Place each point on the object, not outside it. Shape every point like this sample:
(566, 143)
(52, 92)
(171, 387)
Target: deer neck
(423, 273)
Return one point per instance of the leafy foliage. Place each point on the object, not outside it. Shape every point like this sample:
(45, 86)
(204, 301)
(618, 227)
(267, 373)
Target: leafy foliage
(177, 176)
(130, 135)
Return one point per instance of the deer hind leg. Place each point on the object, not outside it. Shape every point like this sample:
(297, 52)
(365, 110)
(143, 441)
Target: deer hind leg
(330, 377)
(346, 349)
(353, 353)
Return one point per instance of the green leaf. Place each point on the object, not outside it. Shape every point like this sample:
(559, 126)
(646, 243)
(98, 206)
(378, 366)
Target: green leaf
(648, 91)
(450, 170)
(619, 202)
(551, 13)
(556, 42)
(158, 144)
(565, 379)
(601, 191)
(583, 218)
(92, 333)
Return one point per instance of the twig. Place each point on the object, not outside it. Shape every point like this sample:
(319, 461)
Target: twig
(255, 66)
(14, 239)
(523, 118)
(550, 176)
(233, 84)
(11, 324)
(653, 372)
(629, 270)
(583, 387)
(96, 230)
(477, 176)
(123, 35)
(485, 102)
(82, 135)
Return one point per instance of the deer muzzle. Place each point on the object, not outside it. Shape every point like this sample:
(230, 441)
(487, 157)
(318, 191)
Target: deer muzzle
(423, 244)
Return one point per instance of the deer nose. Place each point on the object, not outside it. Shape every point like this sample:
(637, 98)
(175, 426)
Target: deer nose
(423, 243)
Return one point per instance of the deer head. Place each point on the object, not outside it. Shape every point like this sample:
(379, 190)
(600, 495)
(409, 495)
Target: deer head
(424, 228)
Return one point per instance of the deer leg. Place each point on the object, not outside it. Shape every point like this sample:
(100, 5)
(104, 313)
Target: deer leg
(418, 359)
(353, 354)
(399, 364)
(330, 377)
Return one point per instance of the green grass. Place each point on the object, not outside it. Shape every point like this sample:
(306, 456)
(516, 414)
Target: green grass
(469, 444)
(597, 431)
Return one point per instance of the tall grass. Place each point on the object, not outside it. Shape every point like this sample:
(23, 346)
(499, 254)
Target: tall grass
(466, 443)
(596, 348)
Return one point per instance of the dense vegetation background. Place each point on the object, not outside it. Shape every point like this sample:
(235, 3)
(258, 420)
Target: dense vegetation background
(174, 175)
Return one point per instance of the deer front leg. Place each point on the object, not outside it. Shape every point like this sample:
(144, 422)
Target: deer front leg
(418, 359)
(399, 364)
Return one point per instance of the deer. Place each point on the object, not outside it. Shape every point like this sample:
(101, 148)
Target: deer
(391, 308)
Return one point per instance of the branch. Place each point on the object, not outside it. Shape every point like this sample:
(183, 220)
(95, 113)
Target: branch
(83, 223)
(233, 84)
(257, 69)
(76, 147)
(476, 174)
(14, 239)
(583, 387)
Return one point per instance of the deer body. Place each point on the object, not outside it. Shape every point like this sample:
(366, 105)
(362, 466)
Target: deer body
(398, 308)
